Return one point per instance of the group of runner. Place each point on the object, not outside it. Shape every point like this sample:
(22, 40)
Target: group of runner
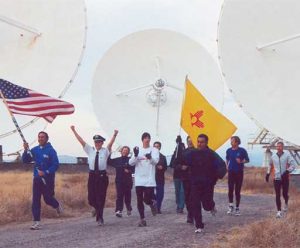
(195, 173)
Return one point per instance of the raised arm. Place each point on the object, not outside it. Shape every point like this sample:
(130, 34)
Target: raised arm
(81, 141)
(111, 142)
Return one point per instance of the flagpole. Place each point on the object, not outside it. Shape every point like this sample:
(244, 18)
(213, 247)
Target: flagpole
(13, 118)
(186, 78)
(17, 127)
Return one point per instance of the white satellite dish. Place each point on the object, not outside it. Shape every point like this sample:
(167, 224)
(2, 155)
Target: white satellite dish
(138, 84)
(41, 47)
(259, 51)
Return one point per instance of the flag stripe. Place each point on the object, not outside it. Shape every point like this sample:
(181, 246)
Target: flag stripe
(39, 105)
(42, 109)
(46, 112)
(33, 99)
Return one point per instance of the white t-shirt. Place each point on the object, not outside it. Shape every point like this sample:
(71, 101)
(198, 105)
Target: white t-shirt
(144, 168)
(102, 158)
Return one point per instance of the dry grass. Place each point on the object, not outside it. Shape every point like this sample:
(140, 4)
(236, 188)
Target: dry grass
(70, 189)
(266, 233)
(269, 232)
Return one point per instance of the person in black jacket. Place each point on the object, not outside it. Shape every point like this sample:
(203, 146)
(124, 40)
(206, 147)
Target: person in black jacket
(123, 180)
(178, 174)
(161, 167)
(203, 174)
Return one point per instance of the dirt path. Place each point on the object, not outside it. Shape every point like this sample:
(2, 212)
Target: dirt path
(166, 230)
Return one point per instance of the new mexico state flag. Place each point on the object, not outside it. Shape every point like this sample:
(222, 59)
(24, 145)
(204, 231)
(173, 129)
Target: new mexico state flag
(198, 116)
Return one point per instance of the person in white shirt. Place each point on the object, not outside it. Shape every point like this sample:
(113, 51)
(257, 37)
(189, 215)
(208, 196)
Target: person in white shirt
(145, 159)
(98, 180)
(281, 164)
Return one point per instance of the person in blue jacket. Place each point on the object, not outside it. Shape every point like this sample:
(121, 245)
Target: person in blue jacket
(236, 157)
(45, 165)
(123, 180)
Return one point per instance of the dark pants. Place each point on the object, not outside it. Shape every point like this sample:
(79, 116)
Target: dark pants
(123, 195)
(97, 187)
(284, 184)
(47, 190)
(179, 193)
(144, 195)
(159, 194)
(188, 197)
(235, 182)
(202, 196)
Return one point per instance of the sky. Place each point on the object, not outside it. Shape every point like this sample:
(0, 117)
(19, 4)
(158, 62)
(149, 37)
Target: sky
(108, 22)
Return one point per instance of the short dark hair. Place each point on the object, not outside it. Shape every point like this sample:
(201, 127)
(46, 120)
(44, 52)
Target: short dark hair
(43, 132)
(280, 142)
(204, 136)
(127, 147)
(146, 135)
(237, 139)
(157, 142)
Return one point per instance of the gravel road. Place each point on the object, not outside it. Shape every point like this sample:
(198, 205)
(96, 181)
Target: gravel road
(166, 230)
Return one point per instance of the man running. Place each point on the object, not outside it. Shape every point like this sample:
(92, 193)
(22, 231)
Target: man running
(145, 160)
(281, 165)
(123, 180)
(236, 157)
(203, 174)
(98, 179)
(46, 164)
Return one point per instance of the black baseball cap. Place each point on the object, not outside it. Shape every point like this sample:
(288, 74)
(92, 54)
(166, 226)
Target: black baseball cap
(98, 137)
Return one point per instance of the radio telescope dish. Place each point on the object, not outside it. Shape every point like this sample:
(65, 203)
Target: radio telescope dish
(259, 51)
(41, 47)
(138, 84)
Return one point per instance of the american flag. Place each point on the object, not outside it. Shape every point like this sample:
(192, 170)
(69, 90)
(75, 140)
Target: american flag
(28, 102)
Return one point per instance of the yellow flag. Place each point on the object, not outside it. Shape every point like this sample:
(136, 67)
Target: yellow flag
(198, 116)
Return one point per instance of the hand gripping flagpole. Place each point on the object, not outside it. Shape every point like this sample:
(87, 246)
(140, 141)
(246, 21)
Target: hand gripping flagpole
(17, 126)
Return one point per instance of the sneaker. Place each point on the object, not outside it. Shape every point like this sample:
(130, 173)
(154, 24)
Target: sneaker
(128, 212)
(230, 210)
(100, 222)
(237, 212)
(285, 208)
(36, 225)
(199, 230)
(279, 215)
(119, 214)
(142, 223)
(158, 211)
(189, 220)
(59, 209)
(213, 211)
(153, 207)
